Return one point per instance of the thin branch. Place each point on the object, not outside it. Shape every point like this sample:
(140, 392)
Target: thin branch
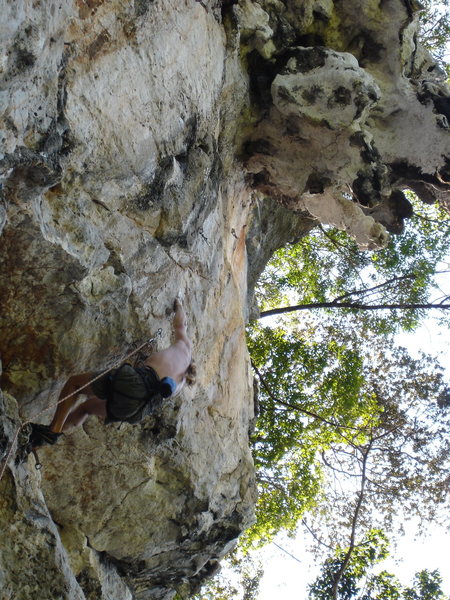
(384, 489)
(314, 535)
(352, 305)
(342, 250)
(375, 287)
(286, 552)
(429, 220)
(271, 482)
(338, 245)
(335, 469)
(386, 433)
(351, 547)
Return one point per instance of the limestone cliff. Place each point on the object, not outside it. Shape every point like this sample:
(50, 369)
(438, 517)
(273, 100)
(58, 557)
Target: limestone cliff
(155, 148)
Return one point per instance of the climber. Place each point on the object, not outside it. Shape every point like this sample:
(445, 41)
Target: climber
(126, 393)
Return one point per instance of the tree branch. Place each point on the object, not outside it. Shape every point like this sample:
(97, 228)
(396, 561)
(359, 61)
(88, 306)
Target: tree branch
(315, 536)
(294, 407)
(353, 305)
(351, 547)
(335, 469)
(364, 292)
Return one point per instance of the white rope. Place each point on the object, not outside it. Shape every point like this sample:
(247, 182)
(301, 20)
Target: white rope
(77, 391)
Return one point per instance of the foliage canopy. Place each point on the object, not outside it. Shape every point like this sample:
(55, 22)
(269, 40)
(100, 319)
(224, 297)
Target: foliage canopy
(325, 409)
(361, 582)
(434, 30)
(327, 266)
(327, 415)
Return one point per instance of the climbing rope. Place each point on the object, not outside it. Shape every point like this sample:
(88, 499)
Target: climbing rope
(77, 391)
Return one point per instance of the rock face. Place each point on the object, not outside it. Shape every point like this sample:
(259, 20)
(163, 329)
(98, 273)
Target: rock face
(155, 148)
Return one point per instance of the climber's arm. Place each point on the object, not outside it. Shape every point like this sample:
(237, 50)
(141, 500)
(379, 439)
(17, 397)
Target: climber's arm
(179, 324)
(174, 361)
(182, 344)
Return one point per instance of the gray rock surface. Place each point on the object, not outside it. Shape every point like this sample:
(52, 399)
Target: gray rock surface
(343, 99)
(150, 149)
(34, 562)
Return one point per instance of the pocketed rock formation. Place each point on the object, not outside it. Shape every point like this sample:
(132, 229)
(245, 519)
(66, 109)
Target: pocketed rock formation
(156, 148)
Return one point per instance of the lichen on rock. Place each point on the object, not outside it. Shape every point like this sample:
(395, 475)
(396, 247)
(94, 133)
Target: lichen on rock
(151, 149)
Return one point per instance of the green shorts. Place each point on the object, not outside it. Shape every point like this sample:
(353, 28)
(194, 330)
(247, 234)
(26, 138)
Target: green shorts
(127, 380)
(130, 393)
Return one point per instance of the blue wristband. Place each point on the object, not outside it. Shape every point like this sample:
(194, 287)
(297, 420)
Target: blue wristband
(167, 387)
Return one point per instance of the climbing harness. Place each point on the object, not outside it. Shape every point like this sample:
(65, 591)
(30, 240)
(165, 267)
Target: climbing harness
(53, 405)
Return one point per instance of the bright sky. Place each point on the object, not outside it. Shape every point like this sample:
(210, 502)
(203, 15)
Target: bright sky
(286, 579)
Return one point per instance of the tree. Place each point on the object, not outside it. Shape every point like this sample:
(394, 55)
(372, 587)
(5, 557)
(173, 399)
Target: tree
(434, 29)
(339, 448)
(327, 418)
(327, 270)
(317, 392)
(426, 586)
(334, 435)
(359, 581)
(296, 376)
(238, 579)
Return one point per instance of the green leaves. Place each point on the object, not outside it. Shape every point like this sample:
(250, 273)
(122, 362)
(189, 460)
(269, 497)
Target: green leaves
(344, 418)
(327, 270)
(310, 398)
(352, 430)
(426, 586)
(306, 384)
(435, 28)
(359, 581)
(367, 554)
